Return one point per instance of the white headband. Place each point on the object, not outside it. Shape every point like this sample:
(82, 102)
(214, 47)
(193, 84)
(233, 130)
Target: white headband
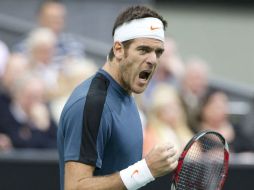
(149, 27)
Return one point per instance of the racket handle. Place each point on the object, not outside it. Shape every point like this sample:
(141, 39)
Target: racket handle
(173, 186)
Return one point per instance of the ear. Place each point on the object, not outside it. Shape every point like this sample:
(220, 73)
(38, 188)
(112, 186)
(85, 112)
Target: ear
(118, 50)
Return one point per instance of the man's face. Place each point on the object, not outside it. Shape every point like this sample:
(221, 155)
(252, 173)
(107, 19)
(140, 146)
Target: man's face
(53, 17)
(139, 63)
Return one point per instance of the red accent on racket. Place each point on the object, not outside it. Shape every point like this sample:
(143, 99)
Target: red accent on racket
(203, 164)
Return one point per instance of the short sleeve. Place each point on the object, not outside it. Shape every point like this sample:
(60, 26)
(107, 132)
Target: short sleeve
(86, 132)
(71, 124)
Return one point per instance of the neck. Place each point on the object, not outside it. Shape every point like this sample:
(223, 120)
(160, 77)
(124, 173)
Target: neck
(112, 68)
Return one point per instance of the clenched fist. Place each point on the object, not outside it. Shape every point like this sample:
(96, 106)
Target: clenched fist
(162, 159)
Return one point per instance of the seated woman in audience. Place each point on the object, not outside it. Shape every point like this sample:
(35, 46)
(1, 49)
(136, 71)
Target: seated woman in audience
(214, 115)
(166, 120)
(27, 121)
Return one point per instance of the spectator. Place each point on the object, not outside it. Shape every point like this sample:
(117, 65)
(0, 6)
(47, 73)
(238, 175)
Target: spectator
(59, 80)
(166, 121)
(193, 88)
(41, 46)
(51, 14)
(214, 115)
(27, 120)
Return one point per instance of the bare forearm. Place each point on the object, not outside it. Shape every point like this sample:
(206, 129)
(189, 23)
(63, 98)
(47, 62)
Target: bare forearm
(159, 161)
(109, 182)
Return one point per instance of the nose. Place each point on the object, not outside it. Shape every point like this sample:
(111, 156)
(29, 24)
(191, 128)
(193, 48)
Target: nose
(152, 59)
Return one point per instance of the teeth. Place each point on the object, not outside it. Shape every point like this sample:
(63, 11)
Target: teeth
(144, 75)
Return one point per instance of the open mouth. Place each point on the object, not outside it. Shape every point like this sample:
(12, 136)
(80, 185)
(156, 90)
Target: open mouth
(144, 74)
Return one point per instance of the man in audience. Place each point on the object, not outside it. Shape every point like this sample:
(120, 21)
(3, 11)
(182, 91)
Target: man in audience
(193, 88)
(51, 14)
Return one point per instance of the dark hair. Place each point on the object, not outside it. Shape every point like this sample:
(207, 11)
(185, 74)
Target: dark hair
(206, 99)
(131, 13)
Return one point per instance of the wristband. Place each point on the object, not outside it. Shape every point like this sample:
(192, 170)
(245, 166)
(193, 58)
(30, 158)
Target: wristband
(136, 175)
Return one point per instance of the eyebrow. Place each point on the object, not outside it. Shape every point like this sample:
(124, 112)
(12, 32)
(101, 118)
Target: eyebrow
(144, 47)
(149, 48)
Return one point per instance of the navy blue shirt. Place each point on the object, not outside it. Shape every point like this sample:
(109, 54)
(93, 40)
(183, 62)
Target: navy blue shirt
(100, 126)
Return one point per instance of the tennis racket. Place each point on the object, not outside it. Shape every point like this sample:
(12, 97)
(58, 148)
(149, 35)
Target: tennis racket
(203, 164)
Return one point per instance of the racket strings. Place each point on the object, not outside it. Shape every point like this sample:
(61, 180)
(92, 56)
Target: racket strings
(202, 168)
(215, 157)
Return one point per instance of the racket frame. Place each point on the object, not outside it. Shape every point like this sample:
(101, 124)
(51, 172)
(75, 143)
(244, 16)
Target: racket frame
(194, 139)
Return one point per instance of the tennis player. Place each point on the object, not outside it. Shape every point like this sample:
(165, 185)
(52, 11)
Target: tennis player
(100, 135)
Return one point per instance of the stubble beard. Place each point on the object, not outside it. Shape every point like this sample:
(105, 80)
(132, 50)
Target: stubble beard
(124, 76)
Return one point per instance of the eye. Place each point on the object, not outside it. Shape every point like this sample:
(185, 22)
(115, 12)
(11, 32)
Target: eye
(143, 51)
(159, 52)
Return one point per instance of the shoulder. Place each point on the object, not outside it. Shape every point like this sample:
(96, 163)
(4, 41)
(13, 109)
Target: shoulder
(77, 98)
(89, 96)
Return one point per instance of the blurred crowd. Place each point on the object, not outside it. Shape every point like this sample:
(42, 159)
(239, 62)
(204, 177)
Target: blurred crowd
(38, 74)
(179, 103)
(36, 77)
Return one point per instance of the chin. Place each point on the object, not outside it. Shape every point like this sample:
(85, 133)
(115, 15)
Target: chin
(138, 91)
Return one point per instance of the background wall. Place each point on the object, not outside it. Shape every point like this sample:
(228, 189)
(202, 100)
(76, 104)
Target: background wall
(222, 35)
